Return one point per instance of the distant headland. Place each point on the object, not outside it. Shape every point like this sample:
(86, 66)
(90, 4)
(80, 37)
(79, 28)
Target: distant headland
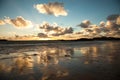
(4, 41)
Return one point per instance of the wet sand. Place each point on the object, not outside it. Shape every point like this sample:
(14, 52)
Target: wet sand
(90, 60)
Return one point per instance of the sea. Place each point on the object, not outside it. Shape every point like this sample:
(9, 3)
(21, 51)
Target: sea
(80, 60)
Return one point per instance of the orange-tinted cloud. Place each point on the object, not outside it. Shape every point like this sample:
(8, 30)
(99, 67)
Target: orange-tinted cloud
(118, 21)
(55, 30)
(42, 35)
(102, 24)
(2, 22)
(19, 22)
(54, 8)
(25, 37)
(110, 28)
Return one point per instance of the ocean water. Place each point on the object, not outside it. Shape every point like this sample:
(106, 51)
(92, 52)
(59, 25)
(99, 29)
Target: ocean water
(87, 60)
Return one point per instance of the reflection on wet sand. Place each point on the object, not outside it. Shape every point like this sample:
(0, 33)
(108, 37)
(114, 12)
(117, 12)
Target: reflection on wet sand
(59, 62)
(54, 72)
(105, 52)
(47, 58)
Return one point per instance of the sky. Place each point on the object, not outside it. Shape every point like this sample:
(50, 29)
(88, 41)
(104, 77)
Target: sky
(58, 19)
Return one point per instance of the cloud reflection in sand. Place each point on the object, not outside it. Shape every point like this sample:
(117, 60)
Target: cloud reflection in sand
(55, 62)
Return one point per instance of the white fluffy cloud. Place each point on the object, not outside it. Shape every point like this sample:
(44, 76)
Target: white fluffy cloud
(102, 24)
(55, 8)
(19, 22)
(2, 22)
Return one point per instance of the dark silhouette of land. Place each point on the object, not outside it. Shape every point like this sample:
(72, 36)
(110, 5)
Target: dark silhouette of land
(4, 41)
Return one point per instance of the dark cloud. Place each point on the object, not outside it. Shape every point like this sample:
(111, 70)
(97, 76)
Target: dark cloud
(85, 24)
(112, 26)
(55, 30)
(109, 28)
(42, 35)
(113, 17)
(47, 27)
(63, 31)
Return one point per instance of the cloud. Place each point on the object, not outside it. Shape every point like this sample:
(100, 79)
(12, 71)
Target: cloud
(42, 35)
(102, 24)
(118, 21)
(19, 22)
(110, 28)
(54, 8)
(85, 24)
(63, 31)
(55, 30)
(113, 22)
(92, 31)
(24, 37)
(114, 30)
(2, 22)
(113, 17)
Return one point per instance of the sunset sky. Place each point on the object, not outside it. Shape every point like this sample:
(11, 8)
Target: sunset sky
(58, 19)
